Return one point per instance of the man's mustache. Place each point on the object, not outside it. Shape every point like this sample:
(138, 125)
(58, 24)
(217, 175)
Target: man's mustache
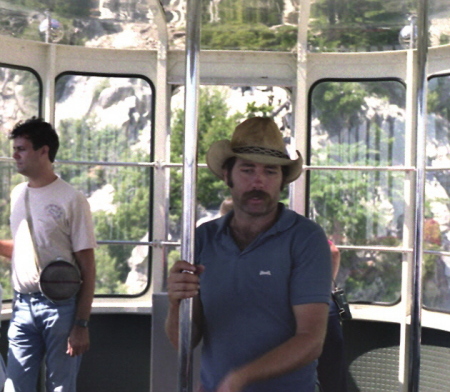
(255, 194)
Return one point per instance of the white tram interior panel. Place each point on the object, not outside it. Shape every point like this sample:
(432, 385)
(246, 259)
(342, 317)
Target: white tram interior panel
(117, 101)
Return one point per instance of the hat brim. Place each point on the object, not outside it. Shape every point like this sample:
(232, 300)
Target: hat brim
(221, 150)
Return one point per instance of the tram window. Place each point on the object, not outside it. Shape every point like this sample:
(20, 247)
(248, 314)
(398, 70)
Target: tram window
(20, 92)
(221, 108)
(105, 127)
(359, 125)
(249, 25)
(436, 241)
(375, 276)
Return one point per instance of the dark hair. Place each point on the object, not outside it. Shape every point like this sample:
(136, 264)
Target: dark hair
(40, 133)
(230, 162)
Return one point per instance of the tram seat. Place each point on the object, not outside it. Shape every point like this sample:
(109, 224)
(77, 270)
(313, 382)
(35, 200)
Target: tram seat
(372, 353)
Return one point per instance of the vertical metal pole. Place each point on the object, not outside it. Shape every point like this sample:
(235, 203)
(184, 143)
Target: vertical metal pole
(48, 31)
(297, 189)
(193, 19)
(416, 303)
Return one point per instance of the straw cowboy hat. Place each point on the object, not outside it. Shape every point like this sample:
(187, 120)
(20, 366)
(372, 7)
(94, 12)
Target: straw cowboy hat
(257, 139)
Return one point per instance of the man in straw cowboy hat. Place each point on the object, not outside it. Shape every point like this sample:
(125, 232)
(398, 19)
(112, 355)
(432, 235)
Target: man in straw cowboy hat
(262, 274)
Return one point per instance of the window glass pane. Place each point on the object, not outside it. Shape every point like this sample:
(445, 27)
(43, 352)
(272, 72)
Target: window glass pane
(360, 125)
(357, 124)
(105, 126)
(20, 92)
(115, 277)
(19, 100)
(362, 25)
(101, 24)
(358, 208)
(436, 267)
(118, 196)
(371, 276)
(436, 281)
(249, 25)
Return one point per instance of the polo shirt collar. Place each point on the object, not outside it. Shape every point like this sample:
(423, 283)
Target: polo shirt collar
(285, 220)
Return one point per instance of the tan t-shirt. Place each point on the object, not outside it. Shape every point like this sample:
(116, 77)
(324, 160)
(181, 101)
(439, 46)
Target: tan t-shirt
(62, 224)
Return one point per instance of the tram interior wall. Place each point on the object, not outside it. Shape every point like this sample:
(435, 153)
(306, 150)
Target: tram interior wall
(119, 358)
(122, 347)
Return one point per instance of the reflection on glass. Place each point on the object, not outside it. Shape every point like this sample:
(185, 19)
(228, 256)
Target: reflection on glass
(226, 24)
(122, 269)
(250, 25)
(357, 124)
(105, 24)
(439, 26)
(352, 25)
(357, 25)
(371, 276)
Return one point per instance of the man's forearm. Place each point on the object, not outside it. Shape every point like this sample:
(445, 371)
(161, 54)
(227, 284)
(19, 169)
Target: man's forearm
(172, 324)
(85, 298)
(291, 355)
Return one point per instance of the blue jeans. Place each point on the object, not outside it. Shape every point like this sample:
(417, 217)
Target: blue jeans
(41, 328)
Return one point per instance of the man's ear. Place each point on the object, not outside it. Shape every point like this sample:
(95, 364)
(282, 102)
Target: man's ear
(227, 178)
(45, 150)
(225, 175)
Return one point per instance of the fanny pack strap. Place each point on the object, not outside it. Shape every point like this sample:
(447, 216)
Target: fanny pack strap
(30, 226)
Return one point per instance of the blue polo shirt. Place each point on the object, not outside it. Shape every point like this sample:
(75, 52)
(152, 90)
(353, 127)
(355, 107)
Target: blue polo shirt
(247, 296)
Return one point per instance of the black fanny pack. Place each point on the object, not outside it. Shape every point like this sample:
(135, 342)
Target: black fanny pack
(60, 280)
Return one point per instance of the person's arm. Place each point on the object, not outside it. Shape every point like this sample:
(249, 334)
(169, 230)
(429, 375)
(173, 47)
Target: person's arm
(79, 342)
(6, 248)
(335, 259)
(182, 285)
(304, 347)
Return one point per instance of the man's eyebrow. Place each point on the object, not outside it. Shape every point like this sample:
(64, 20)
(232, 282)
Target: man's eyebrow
(246, 164)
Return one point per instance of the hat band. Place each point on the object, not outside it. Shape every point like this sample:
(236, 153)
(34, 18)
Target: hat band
(260, 151)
